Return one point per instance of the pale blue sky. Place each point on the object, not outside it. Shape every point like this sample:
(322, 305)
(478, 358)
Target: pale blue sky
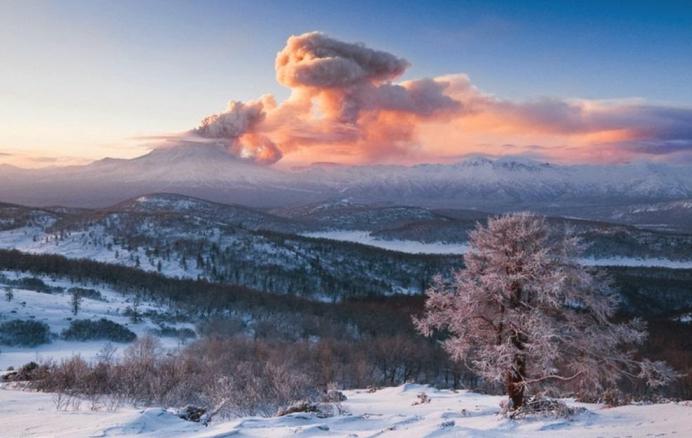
(80, 78)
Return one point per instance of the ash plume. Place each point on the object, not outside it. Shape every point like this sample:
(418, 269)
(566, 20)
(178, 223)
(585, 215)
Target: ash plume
(347, 106)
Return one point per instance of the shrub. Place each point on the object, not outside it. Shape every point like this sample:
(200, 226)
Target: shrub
(320, 410)
(537, 407)
(24, 333)
(83, 292)
(173, 332)
(421, 399)
(28, 372)
(222, 327)
(85, 329)
(226, 378)
(333, 396)
(33, 283)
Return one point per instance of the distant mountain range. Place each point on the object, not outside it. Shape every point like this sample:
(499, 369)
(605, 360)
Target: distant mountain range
(207, 171)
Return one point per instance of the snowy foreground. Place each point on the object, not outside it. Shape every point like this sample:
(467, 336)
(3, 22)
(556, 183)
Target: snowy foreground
(388, 412)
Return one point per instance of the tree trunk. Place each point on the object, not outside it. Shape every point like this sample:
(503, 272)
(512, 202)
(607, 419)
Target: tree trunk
(515, 385)
(515, 377)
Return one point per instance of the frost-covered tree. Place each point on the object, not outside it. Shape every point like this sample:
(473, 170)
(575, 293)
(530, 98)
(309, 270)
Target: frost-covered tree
(524, 312)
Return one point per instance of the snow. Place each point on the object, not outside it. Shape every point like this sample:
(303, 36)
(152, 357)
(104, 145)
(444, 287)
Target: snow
(388, 412)
(687, 205)
(54, 310)
(82, 245)
(209, 169)
(407, 246)
(685, 319)
(416, 247)
(638, 262)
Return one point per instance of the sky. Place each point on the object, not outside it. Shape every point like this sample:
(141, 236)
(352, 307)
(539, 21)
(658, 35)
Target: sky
(570, 81)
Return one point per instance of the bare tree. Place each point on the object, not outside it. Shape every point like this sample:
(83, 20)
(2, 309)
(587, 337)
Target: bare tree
(134, 311)
(524, 311)
(76, 301)
(9, 293)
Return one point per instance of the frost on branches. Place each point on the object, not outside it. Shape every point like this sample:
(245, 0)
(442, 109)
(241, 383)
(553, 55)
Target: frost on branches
(523, 312)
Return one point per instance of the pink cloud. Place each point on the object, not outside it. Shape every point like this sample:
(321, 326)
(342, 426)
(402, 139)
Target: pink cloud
(346, 106)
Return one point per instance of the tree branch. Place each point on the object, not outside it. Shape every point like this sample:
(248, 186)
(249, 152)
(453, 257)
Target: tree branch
(553, 376)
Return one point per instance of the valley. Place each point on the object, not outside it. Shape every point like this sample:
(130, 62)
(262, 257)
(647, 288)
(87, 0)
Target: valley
(326, 251)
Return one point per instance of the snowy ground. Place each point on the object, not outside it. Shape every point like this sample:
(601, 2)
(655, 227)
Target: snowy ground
(415, 247)
(54, 310)
(387, 413)
(407, 246)
(81, 245)
(638, 262)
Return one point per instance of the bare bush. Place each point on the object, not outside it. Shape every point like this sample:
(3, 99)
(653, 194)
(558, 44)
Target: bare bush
(227, 378)
(537, 406)
(233, 376)
(421, 399)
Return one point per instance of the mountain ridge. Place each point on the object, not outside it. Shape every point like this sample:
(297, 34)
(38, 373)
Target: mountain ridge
(209, 172)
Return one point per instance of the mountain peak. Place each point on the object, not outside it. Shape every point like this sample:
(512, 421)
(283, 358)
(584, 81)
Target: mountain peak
(186, 151)
(514, 162)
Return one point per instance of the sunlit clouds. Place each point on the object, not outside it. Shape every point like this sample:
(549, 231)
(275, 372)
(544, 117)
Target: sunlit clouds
(348, 105)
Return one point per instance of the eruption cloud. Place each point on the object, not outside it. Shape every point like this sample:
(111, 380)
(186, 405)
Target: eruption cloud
(236, 128)
(346, 106)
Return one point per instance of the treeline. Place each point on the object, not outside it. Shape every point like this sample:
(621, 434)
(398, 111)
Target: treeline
(661, 296)
(653, 292)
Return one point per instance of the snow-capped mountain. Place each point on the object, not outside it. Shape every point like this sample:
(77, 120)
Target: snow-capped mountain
(508, 183)
(202, 170)
(209, 172)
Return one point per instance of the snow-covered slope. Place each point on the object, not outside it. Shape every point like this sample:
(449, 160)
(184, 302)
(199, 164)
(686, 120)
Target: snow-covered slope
(676, 215)
(417, 247)
(54, 309)
(342, 214)
(202, 170)
(484, 182)
(212, 212)
(406, 246)
(388, 412)
(183, 236)
(227, 244)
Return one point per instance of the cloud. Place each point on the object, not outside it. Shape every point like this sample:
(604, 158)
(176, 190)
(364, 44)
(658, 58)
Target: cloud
(347, 106)
(344, 104)
(317, 61)
(237, 129)
(238, 118)
(571, 129)
(31, 160)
